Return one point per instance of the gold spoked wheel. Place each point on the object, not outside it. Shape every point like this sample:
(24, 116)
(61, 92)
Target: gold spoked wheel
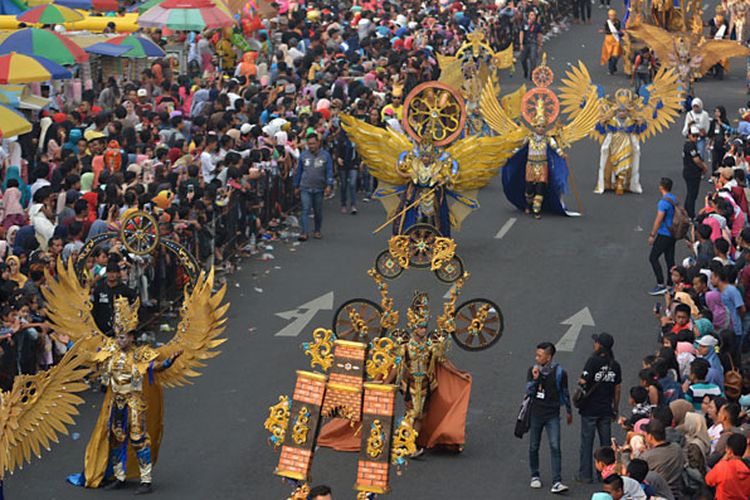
(434, 112)
(139, 233)
(450, 271)
(387, 266)
(358, 320)
(479, 324)
(421, 244)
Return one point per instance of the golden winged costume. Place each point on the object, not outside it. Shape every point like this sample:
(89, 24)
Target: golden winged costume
(37, 409)
(624, 121)
(125, 441)
(690, 55)
(425, 183)
(536, 176)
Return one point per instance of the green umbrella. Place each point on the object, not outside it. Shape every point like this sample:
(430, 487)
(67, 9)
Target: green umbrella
(45, 43)
(147, 5)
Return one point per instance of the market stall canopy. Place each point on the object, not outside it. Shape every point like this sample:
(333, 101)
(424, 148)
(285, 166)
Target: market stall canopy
(50, 14)
(100, 5)
(139, 47)
(187, 15)
(22, 68)
(45, 43)
(19, 96)
(12, 122)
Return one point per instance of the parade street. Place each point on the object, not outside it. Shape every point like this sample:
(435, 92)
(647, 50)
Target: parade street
(556, 279)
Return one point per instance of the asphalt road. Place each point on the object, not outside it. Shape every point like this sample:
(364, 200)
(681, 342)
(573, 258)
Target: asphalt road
(539, 272)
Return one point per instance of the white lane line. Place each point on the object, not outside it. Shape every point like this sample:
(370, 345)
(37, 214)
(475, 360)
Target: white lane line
(506, 227)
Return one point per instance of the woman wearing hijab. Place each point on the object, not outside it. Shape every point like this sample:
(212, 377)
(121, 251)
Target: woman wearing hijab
(14, 267)
(721, 319)
(680, 408)
(87, 182)
(13, 172)
(697, 442)
(13, 212)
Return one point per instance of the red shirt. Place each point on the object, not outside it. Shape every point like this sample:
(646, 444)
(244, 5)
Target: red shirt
(731, 479)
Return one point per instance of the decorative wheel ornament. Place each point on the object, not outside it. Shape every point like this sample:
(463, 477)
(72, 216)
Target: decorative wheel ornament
(434, 112)
(451, 270)
(421, 244)
(387, 266)
(540, 97)
(479, 324)
(358, 320)
(139, 233)
(542, 76)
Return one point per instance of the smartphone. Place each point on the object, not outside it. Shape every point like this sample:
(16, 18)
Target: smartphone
(657, 308)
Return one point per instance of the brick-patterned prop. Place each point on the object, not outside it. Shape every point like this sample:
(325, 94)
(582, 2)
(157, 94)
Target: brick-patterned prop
(344, 394)
(377, 426)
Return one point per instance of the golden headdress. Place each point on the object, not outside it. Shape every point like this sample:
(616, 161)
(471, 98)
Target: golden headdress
(540, 115)
(125, 315)
(418, 313)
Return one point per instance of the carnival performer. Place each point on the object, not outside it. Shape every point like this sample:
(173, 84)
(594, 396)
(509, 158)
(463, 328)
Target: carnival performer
(131, 413)
(536, 177)
(611, 47)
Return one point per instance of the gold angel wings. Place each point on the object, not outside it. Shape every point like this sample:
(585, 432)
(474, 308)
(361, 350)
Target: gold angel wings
(203, 319)
(652, 110)
(38, 409)
(581, 123)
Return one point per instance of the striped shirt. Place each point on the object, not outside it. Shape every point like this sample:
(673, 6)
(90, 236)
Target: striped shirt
(696, 392)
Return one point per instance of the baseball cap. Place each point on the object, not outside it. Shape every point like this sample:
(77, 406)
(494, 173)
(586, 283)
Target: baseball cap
(113, 267)
(234, 134)
(246, 128)
(694, 130)
(604, 339)
(708, 341)
(142, 93)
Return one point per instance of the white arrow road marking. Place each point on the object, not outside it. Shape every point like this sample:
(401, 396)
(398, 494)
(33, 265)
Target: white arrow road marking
(450, 290)
(303, 314)
(506, 227)
(576, 322)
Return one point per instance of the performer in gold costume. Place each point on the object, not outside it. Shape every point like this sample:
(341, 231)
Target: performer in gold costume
(131, 413)
(537, 165)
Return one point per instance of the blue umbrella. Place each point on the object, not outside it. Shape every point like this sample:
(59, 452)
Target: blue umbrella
(107, 49)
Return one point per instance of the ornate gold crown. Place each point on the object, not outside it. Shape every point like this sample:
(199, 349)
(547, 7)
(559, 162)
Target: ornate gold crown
(126, 315)
(624, 97)
(418, 314)
(540, 115)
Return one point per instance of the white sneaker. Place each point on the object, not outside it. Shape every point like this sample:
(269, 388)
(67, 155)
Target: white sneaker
(558, 487)
(536, 483)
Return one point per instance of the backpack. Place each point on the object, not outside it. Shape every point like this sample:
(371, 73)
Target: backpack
(680, 220)
(732, 382)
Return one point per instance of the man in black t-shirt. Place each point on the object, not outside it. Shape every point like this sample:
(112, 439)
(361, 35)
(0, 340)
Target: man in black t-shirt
(600, 380)
(530, 39)
(104, 296)
(692, 170)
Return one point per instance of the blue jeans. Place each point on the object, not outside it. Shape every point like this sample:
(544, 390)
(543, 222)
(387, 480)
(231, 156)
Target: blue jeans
(589, 427)
(312, 199)
(552, 424)
(701, 145)
(348, 181)
(367, 183)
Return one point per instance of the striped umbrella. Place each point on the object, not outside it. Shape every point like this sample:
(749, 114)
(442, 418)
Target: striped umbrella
(34, 41)
(12, 122)
(187, 15)
(140, 47)
(20, 68)
(50, 14)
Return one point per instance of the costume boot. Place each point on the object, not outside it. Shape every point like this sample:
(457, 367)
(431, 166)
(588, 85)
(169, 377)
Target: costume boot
(537, 206)
(529, 202)
(144, 463)
(620, 185)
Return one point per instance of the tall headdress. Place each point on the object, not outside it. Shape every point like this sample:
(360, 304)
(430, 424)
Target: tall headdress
(418, 313)
(125, 315)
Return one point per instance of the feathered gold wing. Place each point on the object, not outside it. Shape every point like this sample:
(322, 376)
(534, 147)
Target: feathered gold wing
(497, 118)
(38, 408)
(662, 42)
(511, 102)
(480, 158)
(583, 123)
(451, 72)
(203, 320)
(663, 102)
(714, 51)
(380, 148)
(69, 307)
(575, 90)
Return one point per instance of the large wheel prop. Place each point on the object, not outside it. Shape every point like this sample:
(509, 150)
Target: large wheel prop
(358, 320)
(479, 324)
(421, 244)
(139, 233)
(434, 112)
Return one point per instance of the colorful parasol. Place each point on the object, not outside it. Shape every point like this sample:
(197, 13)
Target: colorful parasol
(50, 14)
(140, 47)
(100, 5)
(12, 122)
(21, 68)
(187, 15)
(34, 41)
(147, 5)
(106, 49)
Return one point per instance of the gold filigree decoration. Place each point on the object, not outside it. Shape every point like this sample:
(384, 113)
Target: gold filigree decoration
(125, 316)
(389, 317)
(398, 247)
(376, 439)
(443, 251)
(278, 418)
(321, 349)
(447, 320)
(383, 358)
(301, 493)
(404, 443)
(301, 426)
(358, 324)
(477, 322)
